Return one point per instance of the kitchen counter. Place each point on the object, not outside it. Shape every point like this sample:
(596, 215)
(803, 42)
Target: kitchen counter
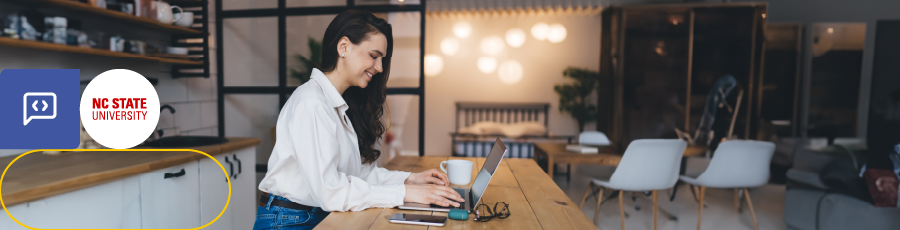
(37, 176)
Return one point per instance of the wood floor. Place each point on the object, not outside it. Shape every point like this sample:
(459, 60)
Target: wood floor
(768, 201)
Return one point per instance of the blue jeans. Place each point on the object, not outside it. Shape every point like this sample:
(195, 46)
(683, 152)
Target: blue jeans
(270, 217)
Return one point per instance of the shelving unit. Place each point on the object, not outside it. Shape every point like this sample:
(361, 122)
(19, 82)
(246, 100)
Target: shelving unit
(98, 52)
(122, 17)
(179, 35)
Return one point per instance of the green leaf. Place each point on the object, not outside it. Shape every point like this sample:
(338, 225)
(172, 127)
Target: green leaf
(304, 65)
(573, 98)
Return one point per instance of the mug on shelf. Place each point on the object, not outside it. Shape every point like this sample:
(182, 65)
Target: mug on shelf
(185, 19)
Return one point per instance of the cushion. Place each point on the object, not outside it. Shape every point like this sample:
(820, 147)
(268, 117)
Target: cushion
(840, 176)
(514, 130)
(469, 130)
(882, 185)
(482, 128)
(533, 129)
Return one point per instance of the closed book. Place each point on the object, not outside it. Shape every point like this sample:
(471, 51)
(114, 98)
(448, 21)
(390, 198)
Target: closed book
(582, 149)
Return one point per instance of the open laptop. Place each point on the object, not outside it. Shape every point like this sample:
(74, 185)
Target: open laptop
(474, 193)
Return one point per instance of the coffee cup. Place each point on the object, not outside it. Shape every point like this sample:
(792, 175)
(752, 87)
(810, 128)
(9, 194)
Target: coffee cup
(459, 171)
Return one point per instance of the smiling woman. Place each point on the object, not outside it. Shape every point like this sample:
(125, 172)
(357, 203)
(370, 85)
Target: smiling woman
(324, 156)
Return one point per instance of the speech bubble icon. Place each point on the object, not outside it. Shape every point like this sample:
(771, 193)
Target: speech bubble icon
(39, 105)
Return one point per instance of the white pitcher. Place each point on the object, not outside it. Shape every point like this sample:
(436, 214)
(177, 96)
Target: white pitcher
(164, 12)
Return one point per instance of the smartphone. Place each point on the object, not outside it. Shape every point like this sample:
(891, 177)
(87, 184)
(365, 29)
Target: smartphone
(402, 218)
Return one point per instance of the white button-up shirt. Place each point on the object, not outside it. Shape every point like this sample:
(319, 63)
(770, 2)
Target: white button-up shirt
(316, 159)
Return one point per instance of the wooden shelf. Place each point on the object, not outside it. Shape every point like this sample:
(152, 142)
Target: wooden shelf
(123, 17)
(4, 41)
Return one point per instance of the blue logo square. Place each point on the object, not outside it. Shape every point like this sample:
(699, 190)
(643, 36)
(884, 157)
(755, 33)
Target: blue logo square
(40, 108)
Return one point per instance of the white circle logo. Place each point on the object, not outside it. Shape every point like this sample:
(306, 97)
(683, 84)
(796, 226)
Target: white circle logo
(119, 109)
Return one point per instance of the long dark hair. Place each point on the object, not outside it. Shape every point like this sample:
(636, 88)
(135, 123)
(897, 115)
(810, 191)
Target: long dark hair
(366, 104)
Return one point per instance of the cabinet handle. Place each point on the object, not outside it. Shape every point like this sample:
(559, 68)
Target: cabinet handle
(230, 166)
(170, 175)
(239, 165)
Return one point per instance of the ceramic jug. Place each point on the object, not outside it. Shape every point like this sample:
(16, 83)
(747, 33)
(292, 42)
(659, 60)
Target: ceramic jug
(164, 12)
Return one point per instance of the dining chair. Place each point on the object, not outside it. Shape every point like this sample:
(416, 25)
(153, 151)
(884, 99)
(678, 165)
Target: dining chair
(593, 138)
(737, 164)
(647, 165)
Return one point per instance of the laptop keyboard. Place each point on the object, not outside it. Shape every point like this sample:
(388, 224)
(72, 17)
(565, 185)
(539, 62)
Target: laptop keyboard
(461, 193)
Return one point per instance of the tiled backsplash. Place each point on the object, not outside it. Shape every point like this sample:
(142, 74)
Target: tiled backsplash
(194, 100)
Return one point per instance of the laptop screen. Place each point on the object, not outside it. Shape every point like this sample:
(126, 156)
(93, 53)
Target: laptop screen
(484, 176)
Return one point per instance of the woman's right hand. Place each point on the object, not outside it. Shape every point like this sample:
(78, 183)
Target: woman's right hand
(432, 194)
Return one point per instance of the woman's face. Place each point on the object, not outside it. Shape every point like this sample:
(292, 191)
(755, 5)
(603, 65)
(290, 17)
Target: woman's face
(363, 60)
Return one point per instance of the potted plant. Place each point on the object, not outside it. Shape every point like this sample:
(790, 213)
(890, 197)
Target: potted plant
(306, 64)
(573, 98)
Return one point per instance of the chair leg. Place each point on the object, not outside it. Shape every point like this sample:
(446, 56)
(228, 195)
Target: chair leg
(622, 208)
(700, 213)
(737, 200)
(597, 209)
(674, 191)
(750, 205)
(695, 192)
(587, 192)
(655, 207)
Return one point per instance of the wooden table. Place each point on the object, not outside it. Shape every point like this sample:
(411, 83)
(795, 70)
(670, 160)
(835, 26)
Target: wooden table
(535, 201)
(557, 153)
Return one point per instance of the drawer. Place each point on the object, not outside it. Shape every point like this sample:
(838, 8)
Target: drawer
(170, 198)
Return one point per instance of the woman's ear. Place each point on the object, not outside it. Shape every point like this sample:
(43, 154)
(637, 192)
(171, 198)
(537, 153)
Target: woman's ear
(343, 46)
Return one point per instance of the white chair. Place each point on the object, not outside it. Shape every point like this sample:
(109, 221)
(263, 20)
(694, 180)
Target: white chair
(593, 138)
(737, 164)
(647, 165)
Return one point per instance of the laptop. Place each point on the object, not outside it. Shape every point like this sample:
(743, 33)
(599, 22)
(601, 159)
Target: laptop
(473, 193)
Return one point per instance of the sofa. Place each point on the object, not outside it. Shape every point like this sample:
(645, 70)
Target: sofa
(811, 204)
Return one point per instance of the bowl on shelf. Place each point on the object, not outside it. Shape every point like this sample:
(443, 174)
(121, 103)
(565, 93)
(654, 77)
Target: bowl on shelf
(177, 50)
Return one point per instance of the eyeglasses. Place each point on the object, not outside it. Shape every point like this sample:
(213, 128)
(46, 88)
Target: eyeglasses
(502, 213)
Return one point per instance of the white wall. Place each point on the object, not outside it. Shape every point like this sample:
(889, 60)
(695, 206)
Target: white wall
(542, 61)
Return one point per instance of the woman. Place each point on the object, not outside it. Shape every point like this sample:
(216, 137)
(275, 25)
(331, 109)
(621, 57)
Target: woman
(324, 159)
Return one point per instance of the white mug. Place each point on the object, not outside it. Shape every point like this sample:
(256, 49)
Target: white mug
(185, 19)
(459, 171)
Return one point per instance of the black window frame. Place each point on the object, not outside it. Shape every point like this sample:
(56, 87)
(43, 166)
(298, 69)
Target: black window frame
(282, 90)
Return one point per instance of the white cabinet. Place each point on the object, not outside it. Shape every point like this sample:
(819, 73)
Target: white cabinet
(214, 192)
(243, 189)
(114, 205)
(17, 211)
(179, 197)
(170, 198)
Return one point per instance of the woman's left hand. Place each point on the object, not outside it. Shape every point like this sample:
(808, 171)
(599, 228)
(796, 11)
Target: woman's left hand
(431, 176)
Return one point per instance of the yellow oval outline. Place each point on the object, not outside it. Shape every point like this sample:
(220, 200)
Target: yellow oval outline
(227, 177)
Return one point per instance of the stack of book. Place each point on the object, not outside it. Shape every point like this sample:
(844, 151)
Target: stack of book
(582, 149)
